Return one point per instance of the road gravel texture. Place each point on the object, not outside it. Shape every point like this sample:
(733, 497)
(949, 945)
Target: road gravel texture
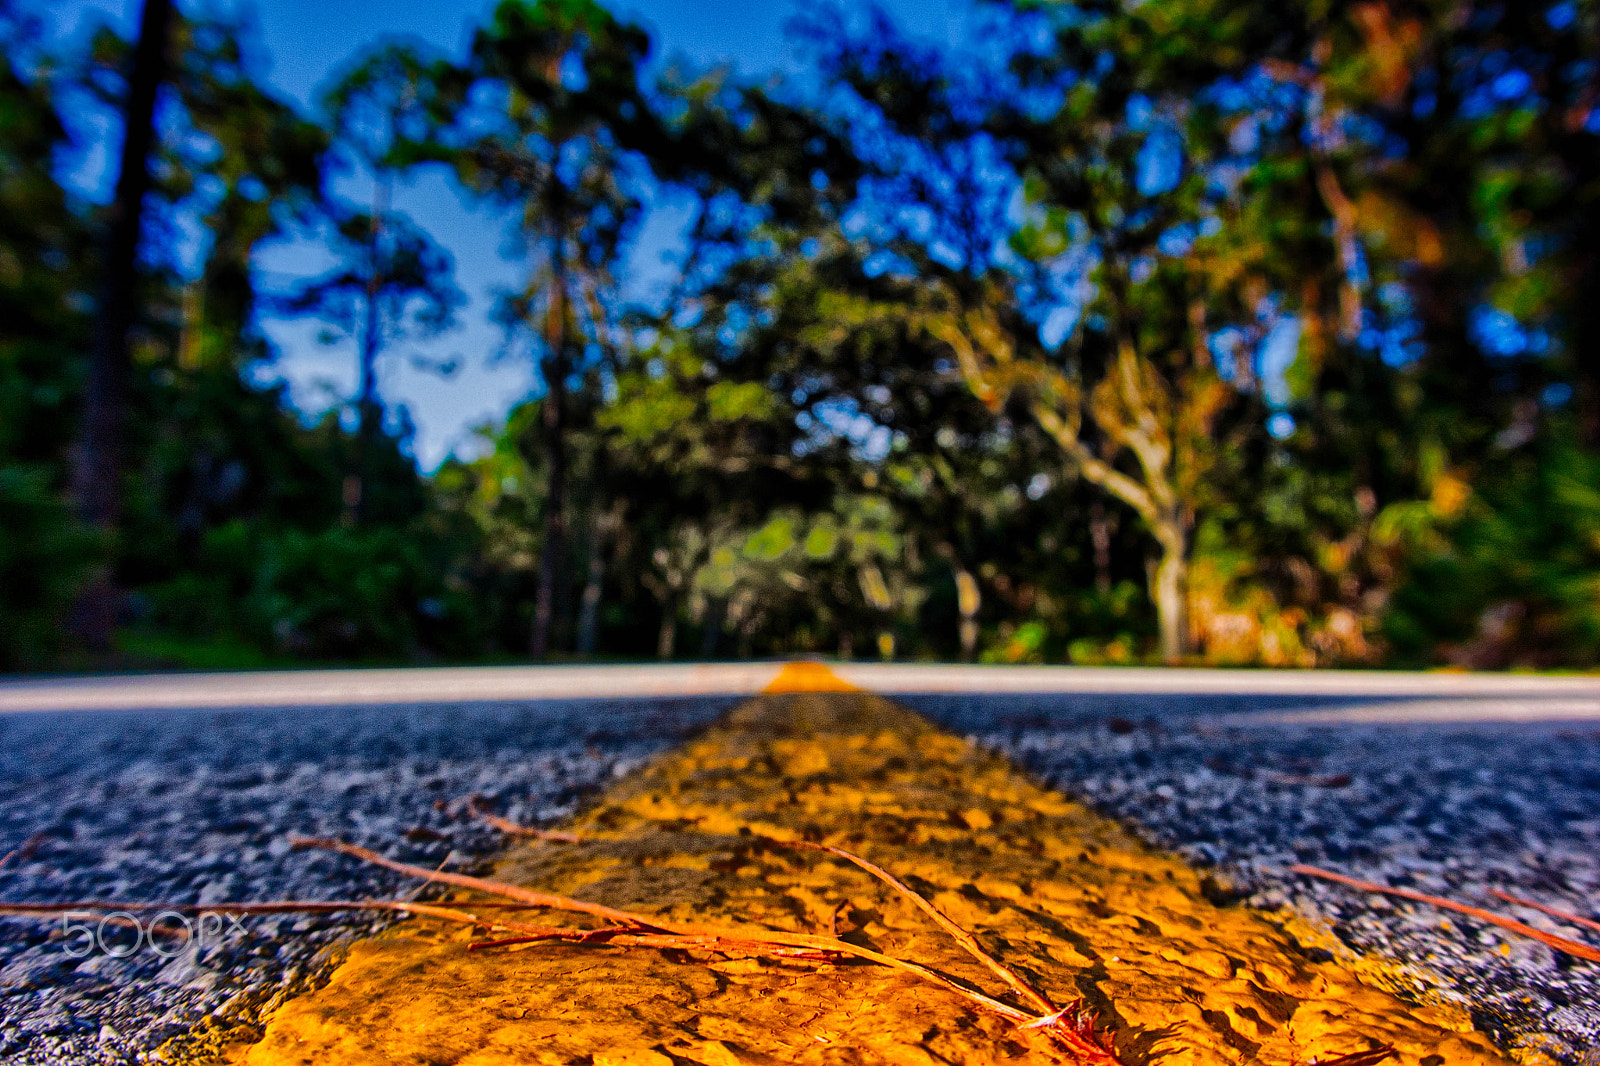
(194, 807)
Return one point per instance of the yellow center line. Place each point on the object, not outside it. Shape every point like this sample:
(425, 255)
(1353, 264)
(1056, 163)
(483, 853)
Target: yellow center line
(807, 677)
(1062, 896)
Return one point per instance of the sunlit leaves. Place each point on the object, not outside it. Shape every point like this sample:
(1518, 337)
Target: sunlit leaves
(729, 401)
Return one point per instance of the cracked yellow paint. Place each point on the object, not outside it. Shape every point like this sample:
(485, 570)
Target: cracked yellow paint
(1063, 895)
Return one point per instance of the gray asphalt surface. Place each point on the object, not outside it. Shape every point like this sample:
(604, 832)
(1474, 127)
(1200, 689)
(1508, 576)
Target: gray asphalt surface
(192, 806)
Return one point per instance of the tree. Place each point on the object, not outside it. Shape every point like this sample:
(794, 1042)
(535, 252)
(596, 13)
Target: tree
(395, 284)
(909, 430)
(1418, 181)
(391, 100)
(559, 70)
(97, 465)
(1133, 400)
(702, 451)
(48, 260)
(46, 264)
(241, 166)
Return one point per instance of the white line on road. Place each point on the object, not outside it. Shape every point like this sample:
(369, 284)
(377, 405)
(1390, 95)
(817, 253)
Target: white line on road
(1427, 712)
(1419, 696)
(312, 688)
(911, 678)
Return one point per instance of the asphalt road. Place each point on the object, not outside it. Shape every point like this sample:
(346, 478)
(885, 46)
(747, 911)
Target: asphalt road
(183, 789)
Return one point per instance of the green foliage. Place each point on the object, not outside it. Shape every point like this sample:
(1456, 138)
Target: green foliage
(44, 555)
(43, 273)
(347, 593)
(843, 429)
(1518, 581)
(342, 593)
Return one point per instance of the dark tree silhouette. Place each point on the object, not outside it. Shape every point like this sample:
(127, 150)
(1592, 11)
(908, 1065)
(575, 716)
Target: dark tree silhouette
(97, 463)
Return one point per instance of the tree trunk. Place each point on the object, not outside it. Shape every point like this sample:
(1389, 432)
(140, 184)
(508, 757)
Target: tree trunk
(369, 415)
(556, 369)
(968, 600)
(605, 527)
(667, 638)
(97, 457)
(1169, 590)
(711, 634)
(589, 605)
(1100, 537)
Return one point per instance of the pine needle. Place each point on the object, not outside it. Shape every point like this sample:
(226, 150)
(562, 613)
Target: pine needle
(505, 825)
(968, 942)
(670, 934)
(480, 884)
(1074, 1027)
(112, 909)
(23, 850)
(1560, 943)
(1565, 916)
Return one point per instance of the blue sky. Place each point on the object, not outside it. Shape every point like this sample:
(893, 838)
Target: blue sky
(304, 42)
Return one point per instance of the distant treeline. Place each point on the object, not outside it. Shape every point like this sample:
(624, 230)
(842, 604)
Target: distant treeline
(1191, 330)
